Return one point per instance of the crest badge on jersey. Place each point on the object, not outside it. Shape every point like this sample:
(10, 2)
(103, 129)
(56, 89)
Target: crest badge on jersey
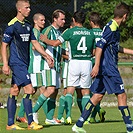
(28, 28)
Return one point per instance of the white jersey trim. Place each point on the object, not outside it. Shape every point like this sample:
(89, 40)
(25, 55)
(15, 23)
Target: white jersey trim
(61, 39)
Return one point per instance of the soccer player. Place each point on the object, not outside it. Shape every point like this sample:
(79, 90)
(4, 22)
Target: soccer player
(35, 64)
(105, 70)
(81, 41)
(64, 74)
(64, 69)
(18, 36)
(95, 23)
(52, 75)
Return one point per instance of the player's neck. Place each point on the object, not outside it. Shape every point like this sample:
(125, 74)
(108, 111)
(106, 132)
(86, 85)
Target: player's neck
(55, 25)
(20, 17)
(78, 24)
(37, 27)
(118, 20)
(95, 26)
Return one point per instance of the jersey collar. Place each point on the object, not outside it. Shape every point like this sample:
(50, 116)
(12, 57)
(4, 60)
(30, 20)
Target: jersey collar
(115, 22)
(22, 22)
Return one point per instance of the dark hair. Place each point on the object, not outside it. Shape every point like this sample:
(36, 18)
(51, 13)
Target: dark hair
(121, 9)
(79, 17)
(95, 18)
(56, 14)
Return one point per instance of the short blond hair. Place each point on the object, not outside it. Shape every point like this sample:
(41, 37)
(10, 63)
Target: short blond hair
(36, 16)
(18, 2)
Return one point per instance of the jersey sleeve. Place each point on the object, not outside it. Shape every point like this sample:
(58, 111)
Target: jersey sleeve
(8, 34)
(65, 36)
(107, 33)
(37, 35)
(32, 35)
(47, 31)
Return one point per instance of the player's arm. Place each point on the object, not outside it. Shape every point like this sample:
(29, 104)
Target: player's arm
(97, 62)
(5, 68)
(125, 50)
(65, 54)
(39, 48)
(44, 38)
(93, 52)
(107, 33)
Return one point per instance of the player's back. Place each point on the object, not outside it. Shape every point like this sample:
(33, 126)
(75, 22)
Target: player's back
(110, 45)
(98, 33)
(81, 41)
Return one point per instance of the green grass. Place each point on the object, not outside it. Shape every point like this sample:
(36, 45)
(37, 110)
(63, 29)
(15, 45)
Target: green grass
(113, 123)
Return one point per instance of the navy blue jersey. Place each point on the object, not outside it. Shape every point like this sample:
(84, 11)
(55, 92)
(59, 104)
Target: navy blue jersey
(18, 35)
(109, 43)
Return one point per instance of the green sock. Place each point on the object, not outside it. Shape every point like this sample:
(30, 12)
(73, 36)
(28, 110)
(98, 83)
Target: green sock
(79, 100)
(50, 108)
(61, 107)
(85, 99)
(41, 99)
(21, 109)
(45, 106)
(68, 104)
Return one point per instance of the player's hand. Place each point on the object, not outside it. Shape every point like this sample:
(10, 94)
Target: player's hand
(43, 37)
(94, 71)
(50, 61)
(6, 70)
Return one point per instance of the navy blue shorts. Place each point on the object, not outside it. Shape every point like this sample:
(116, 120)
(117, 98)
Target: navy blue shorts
(20, 75)
(107, 84)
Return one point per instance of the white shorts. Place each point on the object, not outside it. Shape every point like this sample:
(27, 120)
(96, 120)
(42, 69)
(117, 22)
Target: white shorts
(79, 73)
(37, 79)
(52, 78)
(65, 70)
(64, 83)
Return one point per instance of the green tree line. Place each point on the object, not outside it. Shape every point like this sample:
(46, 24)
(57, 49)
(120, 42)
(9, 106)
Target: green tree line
(105, 8)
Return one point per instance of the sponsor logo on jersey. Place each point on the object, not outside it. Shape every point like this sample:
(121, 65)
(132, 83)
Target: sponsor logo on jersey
(25, 37)
(5, 35)
(103, 40)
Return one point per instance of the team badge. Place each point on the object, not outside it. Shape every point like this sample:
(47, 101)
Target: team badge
(28, 28)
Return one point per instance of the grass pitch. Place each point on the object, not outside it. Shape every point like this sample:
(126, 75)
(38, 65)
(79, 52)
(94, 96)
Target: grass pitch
(112, 124)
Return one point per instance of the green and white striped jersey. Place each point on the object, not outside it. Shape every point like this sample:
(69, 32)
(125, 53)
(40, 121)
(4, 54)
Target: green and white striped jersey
(55, 52)
(35, 57)
(81, 40)
(64, 64)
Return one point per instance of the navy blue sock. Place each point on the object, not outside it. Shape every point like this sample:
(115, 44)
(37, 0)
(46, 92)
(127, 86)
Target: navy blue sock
(28, 107)
(126, 117)
(11, 109)
(85, 114)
